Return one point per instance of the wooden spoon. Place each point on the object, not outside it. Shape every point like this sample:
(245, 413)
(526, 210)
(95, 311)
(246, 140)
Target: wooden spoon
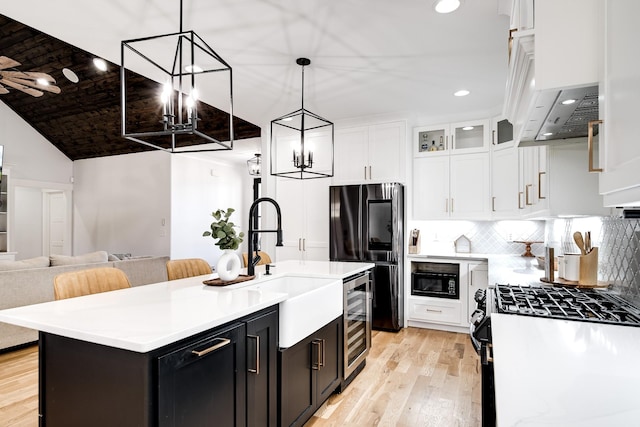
(577, 237)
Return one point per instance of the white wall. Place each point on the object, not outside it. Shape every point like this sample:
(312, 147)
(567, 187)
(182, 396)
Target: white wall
(200, 186)
(120, 202)
(29, 154)
(27, 225)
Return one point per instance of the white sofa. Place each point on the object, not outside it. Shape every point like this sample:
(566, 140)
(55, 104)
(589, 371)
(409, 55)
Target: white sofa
(33, 285)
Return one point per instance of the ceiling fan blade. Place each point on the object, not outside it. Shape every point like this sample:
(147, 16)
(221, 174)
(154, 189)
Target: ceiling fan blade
(3, 90)
(23, 88)
(36, 85)
(7, 63)
(29, 75)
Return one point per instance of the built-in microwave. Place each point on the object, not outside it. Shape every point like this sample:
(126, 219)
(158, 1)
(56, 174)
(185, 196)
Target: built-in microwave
(435, 279)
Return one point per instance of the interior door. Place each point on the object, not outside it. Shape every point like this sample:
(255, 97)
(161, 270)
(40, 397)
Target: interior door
(56, 214)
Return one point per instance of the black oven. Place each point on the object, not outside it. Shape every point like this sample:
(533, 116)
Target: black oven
(435, 279)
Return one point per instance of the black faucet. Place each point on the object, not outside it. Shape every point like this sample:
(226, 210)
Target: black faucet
(253, 234)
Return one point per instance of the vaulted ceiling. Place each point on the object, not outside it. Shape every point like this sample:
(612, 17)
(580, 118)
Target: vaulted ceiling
(369, 58)
(84, 119)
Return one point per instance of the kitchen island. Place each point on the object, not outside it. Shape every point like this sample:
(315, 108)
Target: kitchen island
(129, 357)
(564, 373)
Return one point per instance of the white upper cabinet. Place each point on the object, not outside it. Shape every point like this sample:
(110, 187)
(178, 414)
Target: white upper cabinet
(451, 176)
(431, 187)
(565, 43)
(504, 183)
(533, 188)
(305, 218)
(370, 153)
(454, 186)
(501, 133)
(470, 186)
(620, 154)
(568, 43)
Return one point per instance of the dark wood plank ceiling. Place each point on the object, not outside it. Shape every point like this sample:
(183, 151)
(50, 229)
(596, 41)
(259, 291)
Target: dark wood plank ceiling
(84, 120)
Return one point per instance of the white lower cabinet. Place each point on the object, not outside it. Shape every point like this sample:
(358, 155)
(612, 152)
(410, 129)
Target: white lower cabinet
(446, 313)
(437, 310)
(477, 278)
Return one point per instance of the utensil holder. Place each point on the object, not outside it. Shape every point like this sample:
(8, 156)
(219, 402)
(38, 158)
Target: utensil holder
(589, 268)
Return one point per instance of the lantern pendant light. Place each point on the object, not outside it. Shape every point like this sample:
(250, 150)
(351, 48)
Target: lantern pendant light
(302, 142)
(165, 77)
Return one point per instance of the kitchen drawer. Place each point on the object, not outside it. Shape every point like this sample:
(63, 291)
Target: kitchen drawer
(435, 310)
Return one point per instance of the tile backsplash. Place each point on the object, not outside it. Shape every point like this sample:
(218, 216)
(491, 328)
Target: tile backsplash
(487, 237)
(618, 241)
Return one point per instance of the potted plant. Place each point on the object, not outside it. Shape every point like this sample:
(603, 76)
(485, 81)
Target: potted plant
(223, 230)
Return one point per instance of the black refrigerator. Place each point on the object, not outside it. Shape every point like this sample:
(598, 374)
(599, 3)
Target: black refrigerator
(367, 226)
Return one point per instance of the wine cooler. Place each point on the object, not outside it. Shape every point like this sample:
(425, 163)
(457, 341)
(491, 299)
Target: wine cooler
(357, 323)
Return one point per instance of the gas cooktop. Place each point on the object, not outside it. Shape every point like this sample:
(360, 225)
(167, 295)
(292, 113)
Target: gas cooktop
(566, 303)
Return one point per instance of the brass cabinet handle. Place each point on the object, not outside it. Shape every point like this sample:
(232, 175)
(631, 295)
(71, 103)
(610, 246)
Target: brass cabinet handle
(493, 204)
(493, 137)
(369, 171)
(540, 185)
(322, 360)
(434, 311)
(257, 369)
(299, 244)
(316, 365)
(526, 188)
(446, 205)
(452, 205)
(590, 145)
(304, 245)
(223, 342)
(520, 194)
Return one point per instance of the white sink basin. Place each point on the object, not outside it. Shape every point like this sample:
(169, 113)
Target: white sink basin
(312, 303)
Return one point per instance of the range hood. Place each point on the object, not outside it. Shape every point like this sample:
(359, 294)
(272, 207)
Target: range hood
(554, 117)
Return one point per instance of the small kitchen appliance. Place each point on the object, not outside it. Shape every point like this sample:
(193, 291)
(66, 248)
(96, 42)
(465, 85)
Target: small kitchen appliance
(435, 279)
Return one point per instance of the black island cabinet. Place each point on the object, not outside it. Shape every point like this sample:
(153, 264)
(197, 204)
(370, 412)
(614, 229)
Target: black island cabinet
(310, 371)
(226, 376)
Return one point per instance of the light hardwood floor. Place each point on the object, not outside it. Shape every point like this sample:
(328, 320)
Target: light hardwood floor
(416, 377)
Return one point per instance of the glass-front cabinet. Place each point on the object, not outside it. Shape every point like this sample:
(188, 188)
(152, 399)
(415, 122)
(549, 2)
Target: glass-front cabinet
(452, 138)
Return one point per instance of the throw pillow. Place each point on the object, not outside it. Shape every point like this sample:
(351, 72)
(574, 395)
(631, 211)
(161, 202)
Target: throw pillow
(90, 258)
(38, 262)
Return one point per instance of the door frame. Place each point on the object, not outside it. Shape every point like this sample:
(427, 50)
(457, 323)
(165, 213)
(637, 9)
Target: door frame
(46, 187)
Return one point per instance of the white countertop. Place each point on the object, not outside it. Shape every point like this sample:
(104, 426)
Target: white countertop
(144, 318)
(565, 373)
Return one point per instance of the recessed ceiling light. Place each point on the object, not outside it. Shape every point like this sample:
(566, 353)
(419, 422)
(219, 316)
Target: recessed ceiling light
(100, 64)
(193, 69)
(467, 128)
(462, 92)
(568, 101)
(70, 75)
(547, 134)
(446, 6)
